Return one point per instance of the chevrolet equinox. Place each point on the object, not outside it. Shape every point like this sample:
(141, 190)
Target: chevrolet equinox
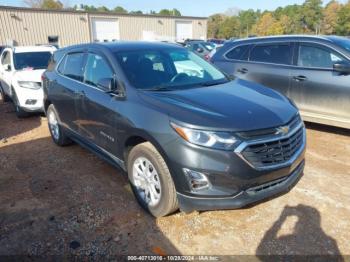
(187, 136)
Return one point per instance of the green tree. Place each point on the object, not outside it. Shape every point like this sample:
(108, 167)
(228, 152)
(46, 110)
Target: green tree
(102, 9)
(214, 24)
(312, 15)
(229, 27)
(343, 23)
(168, 12)
(247, 20)
(120, 10)
(46, 4)
(139, 12)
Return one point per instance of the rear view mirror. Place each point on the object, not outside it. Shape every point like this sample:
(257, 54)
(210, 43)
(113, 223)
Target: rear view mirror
(106, 83)
(7, 67)
(343, 68)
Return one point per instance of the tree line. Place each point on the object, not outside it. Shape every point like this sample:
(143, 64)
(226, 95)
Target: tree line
(311, 17)
(55, 4)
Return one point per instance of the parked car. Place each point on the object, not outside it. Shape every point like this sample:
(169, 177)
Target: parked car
(313, 71)
(199, 142)
(20, 76)
(217, 42)
(201, 48)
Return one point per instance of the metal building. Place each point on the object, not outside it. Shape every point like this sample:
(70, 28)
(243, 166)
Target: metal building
(27, 26)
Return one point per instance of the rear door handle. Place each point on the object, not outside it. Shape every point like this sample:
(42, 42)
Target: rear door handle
(242, 70)
(299, 78)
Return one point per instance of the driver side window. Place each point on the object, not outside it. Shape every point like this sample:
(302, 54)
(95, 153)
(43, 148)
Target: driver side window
(96, 69)
(317, 57)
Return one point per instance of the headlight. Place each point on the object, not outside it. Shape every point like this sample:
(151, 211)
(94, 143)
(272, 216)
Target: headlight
(217, 140)
(29, 84)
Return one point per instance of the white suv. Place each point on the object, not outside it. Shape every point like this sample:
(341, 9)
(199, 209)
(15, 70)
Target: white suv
(20, 76)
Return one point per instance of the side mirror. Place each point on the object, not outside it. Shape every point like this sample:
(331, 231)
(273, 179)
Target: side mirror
(107, 83)
(200, 50)
(7, 67)
(343, 68)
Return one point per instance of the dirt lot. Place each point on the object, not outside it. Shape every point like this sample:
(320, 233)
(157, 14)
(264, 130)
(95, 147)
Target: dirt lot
(56, 201)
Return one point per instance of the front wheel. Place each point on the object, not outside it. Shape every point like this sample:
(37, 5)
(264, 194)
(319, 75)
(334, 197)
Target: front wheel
(20, 113)
(151, 181)
(5, 97)
(56, 131)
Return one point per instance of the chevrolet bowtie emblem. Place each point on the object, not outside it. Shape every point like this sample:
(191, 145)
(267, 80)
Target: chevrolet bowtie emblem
(282, 130)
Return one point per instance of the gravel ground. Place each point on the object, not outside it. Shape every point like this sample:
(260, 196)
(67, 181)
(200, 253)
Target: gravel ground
(66, 201)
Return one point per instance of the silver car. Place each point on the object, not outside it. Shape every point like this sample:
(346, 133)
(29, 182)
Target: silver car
(313, 71)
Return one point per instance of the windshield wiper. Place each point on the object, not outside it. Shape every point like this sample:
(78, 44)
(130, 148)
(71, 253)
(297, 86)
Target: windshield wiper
(158, 88)
(214, 83)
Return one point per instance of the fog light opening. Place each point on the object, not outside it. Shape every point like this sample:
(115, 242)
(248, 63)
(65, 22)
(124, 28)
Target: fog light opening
(196, 180)
(31, 101)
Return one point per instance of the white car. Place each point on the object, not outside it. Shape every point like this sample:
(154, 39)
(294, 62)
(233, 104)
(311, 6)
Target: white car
(20, 76)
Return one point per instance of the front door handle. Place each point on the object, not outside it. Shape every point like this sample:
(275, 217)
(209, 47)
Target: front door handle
(80, 93)
(242, 70)
(300, 78)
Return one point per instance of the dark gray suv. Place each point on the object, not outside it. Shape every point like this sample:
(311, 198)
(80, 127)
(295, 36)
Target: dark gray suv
(187, 135)
(313, 71)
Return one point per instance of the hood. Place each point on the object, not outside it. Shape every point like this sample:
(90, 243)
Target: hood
(29, 75)
(237, 105)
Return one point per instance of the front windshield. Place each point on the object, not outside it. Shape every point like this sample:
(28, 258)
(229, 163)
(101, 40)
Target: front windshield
(167, 69)
(31, 60)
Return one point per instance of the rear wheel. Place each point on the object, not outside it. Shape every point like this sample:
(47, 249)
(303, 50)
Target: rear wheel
(151, 181)
(56, 131)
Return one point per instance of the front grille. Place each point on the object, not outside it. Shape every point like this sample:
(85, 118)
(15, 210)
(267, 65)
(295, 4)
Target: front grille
(268, 132)
(265, 154)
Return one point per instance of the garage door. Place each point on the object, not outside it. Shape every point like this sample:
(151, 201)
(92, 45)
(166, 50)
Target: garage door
(104, 30)
(183, 31)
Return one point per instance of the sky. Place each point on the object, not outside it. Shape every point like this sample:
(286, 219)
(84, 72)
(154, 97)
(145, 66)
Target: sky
(186, 7)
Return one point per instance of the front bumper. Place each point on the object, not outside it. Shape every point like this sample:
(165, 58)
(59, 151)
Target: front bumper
(24, 95)
(243, 198)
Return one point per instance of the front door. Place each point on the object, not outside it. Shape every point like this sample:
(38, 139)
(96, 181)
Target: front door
(317, 89)
(96, 107)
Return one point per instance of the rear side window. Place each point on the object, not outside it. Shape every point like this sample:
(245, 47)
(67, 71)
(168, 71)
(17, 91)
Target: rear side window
(72, 66)
(96, 69)
(313, 56)
(239, 53)
(272, 53)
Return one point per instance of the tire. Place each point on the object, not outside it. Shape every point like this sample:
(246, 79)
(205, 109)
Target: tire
(5, 98)
(57, 133)
(159, 179)
(20, 113)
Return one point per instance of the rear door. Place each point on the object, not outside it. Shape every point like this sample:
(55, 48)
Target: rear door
(96, 107)
(316, 88)
(269, 64)
(68, 88)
